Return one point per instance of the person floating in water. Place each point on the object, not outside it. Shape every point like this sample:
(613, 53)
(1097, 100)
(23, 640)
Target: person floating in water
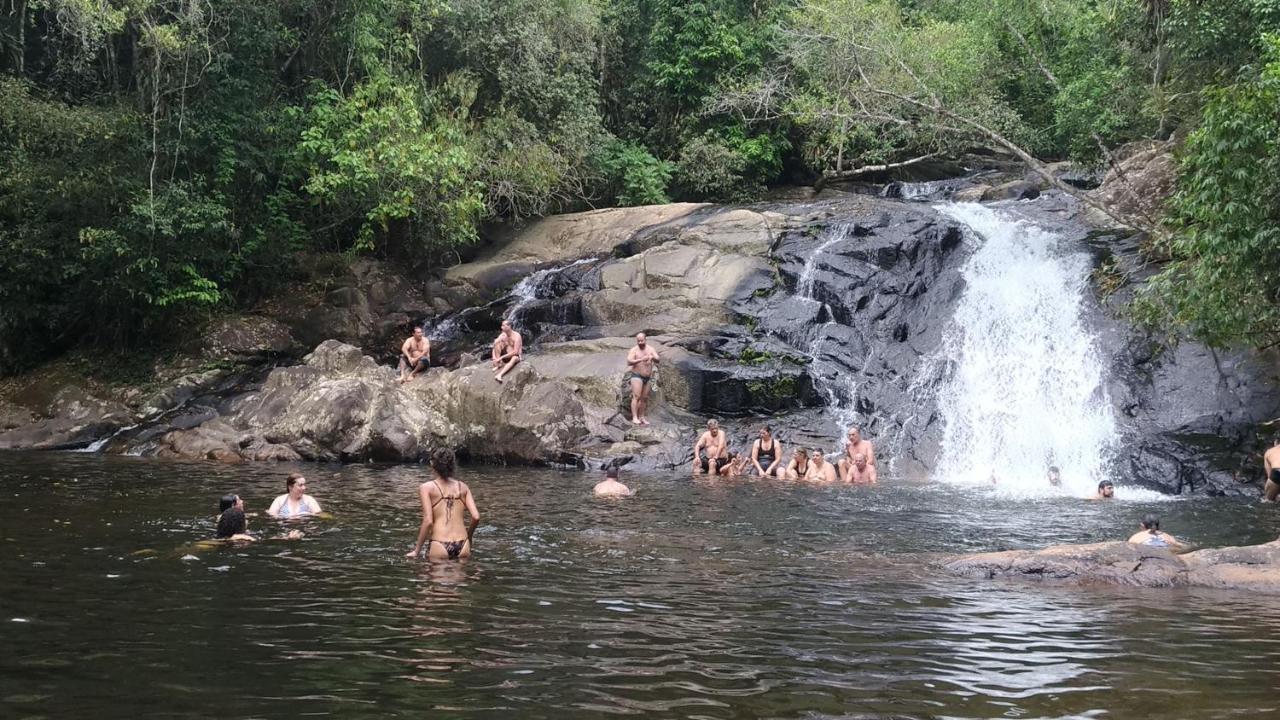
(1055, 478)
(1271, 469)
(798, 468)
(716, 445)
(1106, 491)
(855, 444)
(512, 353)
(1151, 535)
(415, 355)
(819, 469)
(766, 454)
(444, 530)
(861, 472)
(641, 362)
(296, 502)
(610, 486)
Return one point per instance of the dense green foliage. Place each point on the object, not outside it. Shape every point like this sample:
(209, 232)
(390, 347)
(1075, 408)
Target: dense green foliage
(163, 159)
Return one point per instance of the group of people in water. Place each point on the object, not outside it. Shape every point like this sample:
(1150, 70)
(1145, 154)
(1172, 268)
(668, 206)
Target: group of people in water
(233, 522)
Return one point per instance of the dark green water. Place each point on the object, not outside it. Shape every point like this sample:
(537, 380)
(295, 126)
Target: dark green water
(693, 599)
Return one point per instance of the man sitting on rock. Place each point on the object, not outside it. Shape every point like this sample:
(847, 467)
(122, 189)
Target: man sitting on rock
(819, 469)
(512, 353)
(499, 349)
(717, 448)
(415, 355)
(1271, 468)
(860, 472)
(853, 446)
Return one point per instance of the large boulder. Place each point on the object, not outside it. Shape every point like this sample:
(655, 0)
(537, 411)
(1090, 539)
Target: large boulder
(1139, 183)
(1254, 568)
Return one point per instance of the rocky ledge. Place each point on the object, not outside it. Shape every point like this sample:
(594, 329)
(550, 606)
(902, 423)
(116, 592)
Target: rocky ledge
(1255, 568)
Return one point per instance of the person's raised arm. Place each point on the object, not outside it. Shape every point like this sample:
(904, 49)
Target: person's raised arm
(424, 531)
(471, 508)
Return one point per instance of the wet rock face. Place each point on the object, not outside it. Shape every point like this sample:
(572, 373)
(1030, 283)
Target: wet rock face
(1254, 568)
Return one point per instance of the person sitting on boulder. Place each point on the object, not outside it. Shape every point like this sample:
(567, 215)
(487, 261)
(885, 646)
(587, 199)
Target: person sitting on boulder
(853, 445)
(1271, 470)
(513, 353)
(717, 448)
(415, 355)
(499, 349)
(860, 472)
(1106, 491)
(736, 466)
(819, 469)
(1151, 535)
(610, 486)
(798, 468)
(766, 454)
(296, 502)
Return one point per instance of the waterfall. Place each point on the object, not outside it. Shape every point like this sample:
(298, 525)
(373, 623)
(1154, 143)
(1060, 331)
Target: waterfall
(539, 285)
(1023, 384)
(838, 390)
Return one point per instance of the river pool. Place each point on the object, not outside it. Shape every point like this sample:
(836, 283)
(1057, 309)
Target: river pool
(693, 599)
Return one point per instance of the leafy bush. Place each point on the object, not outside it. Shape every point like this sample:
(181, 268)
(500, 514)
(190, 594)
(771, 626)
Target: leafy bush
(633, 176)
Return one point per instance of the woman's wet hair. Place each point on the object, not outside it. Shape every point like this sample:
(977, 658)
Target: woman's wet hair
(443, 462)
(231, 522)
(226, 502)
(1151, 522)
(292, 479)
(801, 451)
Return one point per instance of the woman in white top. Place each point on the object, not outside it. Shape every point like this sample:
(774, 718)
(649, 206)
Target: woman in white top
(296, 502)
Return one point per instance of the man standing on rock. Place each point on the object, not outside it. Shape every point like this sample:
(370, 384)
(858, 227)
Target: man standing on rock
(717, 447)
(513, 353)
(1271, 468)
(641, 360)
(415, 355)
(854, 446)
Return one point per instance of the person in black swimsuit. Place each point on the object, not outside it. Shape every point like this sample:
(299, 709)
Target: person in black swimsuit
(766, 454)
(798, 469)
(443, 501)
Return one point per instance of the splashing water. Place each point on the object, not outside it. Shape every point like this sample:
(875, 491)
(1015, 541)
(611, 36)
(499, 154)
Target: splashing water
(1023, 385)
(536, 286)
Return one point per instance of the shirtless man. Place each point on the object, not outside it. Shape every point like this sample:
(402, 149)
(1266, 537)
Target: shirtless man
(1106, 491)
(861, 472)
(499, 349)
(641, 360)
(610, 487)
(415, 355)
(819, 469)
(717, 447)
(512, 354)
(854, 445)
(1271, 469)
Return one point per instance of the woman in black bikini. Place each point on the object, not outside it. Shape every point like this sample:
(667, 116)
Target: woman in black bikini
(799, 467)
(443, 501)
(766, 453)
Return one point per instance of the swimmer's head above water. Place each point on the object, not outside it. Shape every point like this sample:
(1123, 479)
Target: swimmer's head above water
(1106, 489)
(1151, 522)
(443, 462)
(1055, 478)
(232, 522)
(230, 501)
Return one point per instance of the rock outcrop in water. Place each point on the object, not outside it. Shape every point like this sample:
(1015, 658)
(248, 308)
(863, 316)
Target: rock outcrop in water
(765, 311)
(1255, 568)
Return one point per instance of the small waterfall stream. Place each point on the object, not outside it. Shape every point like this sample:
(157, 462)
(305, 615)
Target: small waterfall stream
(1023, 385)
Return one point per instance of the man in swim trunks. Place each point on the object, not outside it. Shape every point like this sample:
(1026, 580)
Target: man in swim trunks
(610, 487)
(512, 354)
(1271, 470)
(444, 531)
(641, 361)
(1106, 491)
(296, 502)
(819, 469)
(861, 472)
(766, 454)
(415, 355)
(717, 447)
(854, 445)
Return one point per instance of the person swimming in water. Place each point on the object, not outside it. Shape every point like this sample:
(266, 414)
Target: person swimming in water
(610, 486)
(1151, 535)
(296, 502)
(1055, 478)
(444, 530)
(233, 526)
(1106, 491)
(226, 502)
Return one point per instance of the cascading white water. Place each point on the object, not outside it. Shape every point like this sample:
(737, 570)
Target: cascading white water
(530, 288)
(1024, 385)
(839, 394)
